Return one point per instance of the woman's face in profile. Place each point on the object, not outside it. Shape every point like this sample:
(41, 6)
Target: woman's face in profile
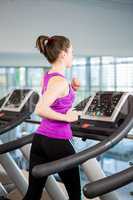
(69, 57)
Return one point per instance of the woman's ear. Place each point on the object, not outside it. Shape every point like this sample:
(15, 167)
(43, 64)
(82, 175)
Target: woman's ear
(62, 54)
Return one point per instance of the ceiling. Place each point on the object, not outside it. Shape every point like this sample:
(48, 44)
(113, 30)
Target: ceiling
(119, 1)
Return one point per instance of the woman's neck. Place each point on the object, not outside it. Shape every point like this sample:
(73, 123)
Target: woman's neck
(56, 67)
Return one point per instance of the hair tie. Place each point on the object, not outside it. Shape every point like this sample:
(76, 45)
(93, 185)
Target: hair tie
(50, 40)
(46, 42)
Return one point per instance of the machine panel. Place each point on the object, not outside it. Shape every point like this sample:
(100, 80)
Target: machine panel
(16, 100)
(104, 106)
(15, 107)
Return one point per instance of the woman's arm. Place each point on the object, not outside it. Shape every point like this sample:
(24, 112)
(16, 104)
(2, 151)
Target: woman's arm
(55, 89)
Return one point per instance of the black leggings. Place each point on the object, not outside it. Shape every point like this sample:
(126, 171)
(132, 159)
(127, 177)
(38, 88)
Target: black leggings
(46, 149)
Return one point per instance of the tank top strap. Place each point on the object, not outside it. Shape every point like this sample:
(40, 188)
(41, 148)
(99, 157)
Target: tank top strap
(46, 78)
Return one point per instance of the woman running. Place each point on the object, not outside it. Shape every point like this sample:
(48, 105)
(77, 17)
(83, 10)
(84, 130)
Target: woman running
(52, 137)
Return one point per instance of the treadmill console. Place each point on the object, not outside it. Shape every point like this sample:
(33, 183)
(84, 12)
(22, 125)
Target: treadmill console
(104, 106)
(81, 105)
(16, 100)
(17, 106)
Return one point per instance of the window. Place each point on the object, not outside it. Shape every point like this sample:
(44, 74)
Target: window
(95, 73)
(107, 77)
(124, 75)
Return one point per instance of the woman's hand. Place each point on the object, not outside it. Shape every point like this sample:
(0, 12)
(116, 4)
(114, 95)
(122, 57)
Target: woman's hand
(75, 83)
(72, 116)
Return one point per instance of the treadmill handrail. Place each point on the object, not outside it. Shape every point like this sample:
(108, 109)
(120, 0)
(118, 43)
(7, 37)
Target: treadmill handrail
(15, 144)
(18, 143)
(78, 158)
(108, 184)
(76, 132)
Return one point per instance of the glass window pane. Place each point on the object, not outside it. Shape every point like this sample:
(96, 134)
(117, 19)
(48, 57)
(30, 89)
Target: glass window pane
(80, 73)
(68, 74)
(79, 61)
(81, 94)
(94, 89)
(34, 76)
(16, 77)
(2, 77)
(107, 59)
(3, 81)
(124, 89)
(124, 59)
(95, 74)
(95, 60)
(124, 75)
(107, 75)
(22, 76)
(108, 88)
(11, 77)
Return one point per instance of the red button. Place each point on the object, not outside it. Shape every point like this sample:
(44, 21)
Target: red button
(2, 114)
(85, 125)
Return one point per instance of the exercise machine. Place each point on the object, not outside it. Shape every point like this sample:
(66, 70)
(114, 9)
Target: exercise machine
(107, 116)
(110, 119)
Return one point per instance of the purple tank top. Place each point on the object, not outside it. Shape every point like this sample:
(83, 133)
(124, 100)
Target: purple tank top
(55, 128)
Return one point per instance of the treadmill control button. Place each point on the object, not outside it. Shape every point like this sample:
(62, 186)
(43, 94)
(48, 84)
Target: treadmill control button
(2, 114)
(85, 125)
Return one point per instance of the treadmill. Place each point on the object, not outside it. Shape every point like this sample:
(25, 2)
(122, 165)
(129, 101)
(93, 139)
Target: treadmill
(15, 107)
(106, 117)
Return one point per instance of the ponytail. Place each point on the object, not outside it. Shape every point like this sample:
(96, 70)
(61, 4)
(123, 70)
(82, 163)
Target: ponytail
(51, 47)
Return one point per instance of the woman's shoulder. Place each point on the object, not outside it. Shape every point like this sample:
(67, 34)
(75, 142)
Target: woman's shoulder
(58, 80)
(57, 85)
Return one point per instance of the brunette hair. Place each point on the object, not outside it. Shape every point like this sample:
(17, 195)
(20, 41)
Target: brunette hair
(51, 47)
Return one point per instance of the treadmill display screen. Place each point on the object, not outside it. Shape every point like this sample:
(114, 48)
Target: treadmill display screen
(105, 106)
(16, 100)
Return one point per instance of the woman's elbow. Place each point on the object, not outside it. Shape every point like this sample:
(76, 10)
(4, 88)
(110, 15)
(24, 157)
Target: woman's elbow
(40, 112)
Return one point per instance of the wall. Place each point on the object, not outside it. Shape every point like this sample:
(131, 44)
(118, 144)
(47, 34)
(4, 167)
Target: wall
(95, 27)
